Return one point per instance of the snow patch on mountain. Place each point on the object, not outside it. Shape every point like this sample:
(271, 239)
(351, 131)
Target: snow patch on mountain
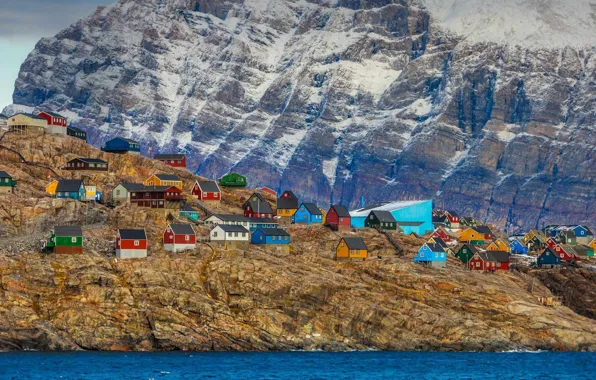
(528, 23)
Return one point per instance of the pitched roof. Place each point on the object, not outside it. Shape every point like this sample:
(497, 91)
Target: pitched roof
(167, 177)
(258, 196)
(312, 208)
(208, 186)
(569, 249)
(434, 247)
(341, 211)
(230, 217)
(273, 232)
(69, 185)
(291, 194)
(484, 229)
(260, 207)
(188, 208)
(355, 243)
(68, 231)
(3, 116)
(130, 141)
(132, 234)
(261, 221)
(472, 247)
(231, 228)
(54, 114)
(440, 242)
(182, 229)
(90, 160)
(499, 256)
(439, 219)
(287, 203)
(4, 174)
(452, 213)
(157, 189)
(32, 116)
(383, 216)
(132, 186)
(169, 156)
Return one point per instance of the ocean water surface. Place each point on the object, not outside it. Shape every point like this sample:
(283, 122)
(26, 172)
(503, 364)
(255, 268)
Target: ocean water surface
(297, 365)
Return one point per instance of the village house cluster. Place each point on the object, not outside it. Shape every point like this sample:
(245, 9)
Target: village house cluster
(45, 122)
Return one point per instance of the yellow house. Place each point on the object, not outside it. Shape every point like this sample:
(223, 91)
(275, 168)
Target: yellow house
(163, 180)
(472, 236)
(26, 123)
(498, 245)
(529, 236)
(592, 244)
(51, 187)
(351, 248)
(323, 215)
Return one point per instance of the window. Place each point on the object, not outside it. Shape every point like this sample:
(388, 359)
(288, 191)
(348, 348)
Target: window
(436, 255)
(477, 264)
(442, 254)
(261, 237)
(137, 243)
(74, 239)
(204, 194)
(421, 254)
(215, 234)
(187, 238)
(244, 234)
(498, 265)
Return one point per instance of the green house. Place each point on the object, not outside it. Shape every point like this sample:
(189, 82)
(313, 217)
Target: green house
(66, 240)
(466, 252)
(379, 219)
(233, 180)
(7, 184)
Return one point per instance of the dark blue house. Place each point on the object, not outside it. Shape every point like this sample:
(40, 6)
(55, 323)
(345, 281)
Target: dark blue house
(548, 257)
(71, 188)
(270, 236)
(308, 213)
(122, 145)
(518, 248)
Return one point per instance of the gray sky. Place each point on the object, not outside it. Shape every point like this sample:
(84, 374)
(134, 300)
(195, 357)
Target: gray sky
(24, 22)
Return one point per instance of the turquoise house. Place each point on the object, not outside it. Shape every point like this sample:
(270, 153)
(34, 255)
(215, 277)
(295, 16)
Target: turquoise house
(71, 188)
(260, 223)
(411, 216)
(431, 254)
(270, 236)
(189, 212)
(518, 248)
(308, 213)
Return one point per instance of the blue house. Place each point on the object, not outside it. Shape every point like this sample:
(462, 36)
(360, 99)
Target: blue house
(411, 216)
(431, 254)
(548, 257)
(270, 236)
(189, 212)
(71, 188)
(260, 223)
(518, 248)
(122, 145)
(308, 213)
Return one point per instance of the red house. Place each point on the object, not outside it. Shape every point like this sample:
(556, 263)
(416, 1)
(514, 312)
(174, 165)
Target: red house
(490, 261)
(440, 233)
(179, 237)
(268, 190)
(564, 251)
(338, 218)
(54, 119)
(206, 191)
(453, 218)
(156, 196)
(174, 160)
(257, 207)
(131, 244)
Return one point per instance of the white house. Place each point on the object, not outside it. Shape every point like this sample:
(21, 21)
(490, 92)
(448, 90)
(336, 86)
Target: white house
(229, 234)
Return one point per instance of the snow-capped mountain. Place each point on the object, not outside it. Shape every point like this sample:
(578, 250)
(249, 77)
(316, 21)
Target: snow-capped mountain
(475, 105)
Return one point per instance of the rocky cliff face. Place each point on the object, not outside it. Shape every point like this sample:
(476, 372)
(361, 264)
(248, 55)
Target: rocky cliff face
(336, 100)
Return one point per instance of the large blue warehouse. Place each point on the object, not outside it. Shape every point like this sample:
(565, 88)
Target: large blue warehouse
(411, 216)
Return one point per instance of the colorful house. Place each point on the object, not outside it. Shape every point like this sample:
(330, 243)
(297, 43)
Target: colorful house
(351, 248)
(489, 261)
(442, 243)
(169, 197)
(121, 193)
(76, 132)
(268, 190)
(338, 218)
(486, 231)
(592, 244)
(173, 160)
(92, 194)
(411, 216)
(468, 221)
(308, 213)
(498, 245)
(233, 180)
(583, 250)
(66, 240)
(91, 164)
(548, 258)
(261, 223)
(570, 253)
(432, 255)
(257, 207)
(56, 122)
(7, 183)
(122, 146)
(466, 252)
(229, 235)
(382, 220)
(565, 252)
(51, 187)
(189, 212)
(470, 235)
(27, 123)
(440, 233)
(163, 180)
(517, 247)
(230, 219)
(131, 244)
(179, 237)
(207, 191)
(286, 205)
(270, 236)
(453, 219)
(71, 188)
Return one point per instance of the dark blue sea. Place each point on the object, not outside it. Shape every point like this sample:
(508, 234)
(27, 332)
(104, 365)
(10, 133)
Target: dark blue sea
(298, 365)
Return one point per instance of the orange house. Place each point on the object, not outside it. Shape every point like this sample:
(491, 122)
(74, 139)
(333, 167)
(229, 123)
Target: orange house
(593, 244)
(163, 180)
(351, 248)
(499, 245)
(472, 236)
(51, 187)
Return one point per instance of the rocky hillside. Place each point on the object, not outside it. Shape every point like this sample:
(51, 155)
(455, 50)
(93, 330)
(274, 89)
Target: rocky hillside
(260, 299)
(342, 99)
